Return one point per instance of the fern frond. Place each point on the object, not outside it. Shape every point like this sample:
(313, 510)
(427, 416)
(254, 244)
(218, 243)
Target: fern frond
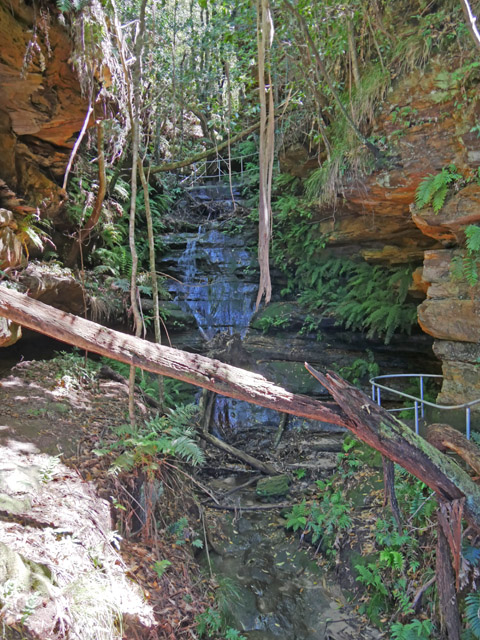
(185, 448)
(472, 613)
(472, 234)
(425, 191)
(439, 196)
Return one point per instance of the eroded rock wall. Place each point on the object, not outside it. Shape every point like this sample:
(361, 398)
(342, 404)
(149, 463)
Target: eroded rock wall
(427, 122)
(41, 107)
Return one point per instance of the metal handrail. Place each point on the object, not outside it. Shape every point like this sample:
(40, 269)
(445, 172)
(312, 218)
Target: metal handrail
(200, 173)
(419, 402)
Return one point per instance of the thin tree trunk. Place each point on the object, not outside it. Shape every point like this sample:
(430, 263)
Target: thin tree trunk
(267, 128)
(353, 50)
(78, 142)
(153, 273)
(134, 99)
(471, 22)
(323, 71)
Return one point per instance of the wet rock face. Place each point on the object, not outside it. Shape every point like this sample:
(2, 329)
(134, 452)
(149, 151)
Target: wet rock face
(41, 108)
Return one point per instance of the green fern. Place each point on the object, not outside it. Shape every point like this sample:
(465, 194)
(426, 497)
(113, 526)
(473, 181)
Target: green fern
(166, 436)
(117, 261)
(415, 630)
(65, 6)
(466, 266)
(472, 235)
(472, 613)
(433, 189)
(297, 518)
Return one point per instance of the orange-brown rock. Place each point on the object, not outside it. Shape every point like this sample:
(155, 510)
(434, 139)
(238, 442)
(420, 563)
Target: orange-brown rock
(451, 311)
(447, 225)
(461, 375)
(451, 314)
(450, 319)
(55, 286)
(374, 209)
(41, 108)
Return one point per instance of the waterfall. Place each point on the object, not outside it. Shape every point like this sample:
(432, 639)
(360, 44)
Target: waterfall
(215, 287)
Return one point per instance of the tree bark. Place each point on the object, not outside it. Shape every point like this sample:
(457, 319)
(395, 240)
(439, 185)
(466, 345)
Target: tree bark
(449, 614)
(153, 272)
(266, 152)
(444, 437)
(192, 368)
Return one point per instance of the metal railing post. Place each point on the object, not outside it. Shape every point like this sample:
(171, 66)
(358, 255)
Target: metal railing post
(468, 423)
(379, 402)
(422, 409)
(373, 391)
(416, 417)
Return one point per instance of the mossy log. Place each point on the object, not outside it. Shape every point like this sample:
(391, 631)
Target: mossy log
(445, 438)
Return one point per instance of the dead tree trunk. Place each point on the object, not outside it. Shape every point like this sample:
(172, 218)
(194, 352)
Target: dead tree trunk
(447, 596)
(358, 413)
(399, 443)
(192, 368)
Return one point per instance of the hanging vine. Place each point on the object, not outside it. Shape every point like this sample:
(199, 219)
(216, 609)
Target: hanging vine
(267, 139)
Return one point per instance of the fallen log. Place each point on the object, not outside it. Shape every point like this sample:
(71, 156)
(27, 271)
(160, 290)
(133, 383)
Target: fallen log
(358, 413)
(192, 368)
(264, 467)
(375, 426)
(444, 437)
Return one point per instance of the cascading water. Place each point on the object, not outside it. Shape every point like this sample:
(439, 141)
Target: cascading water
(219, 284)
(214, 285)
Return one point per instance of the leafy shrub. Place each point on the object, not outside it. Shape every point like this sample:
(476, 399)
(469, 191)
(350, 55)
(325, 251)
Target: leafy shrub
(324, 519)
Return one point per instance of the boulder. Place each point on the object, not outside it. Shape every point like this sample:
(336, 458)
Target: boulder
(451, 314)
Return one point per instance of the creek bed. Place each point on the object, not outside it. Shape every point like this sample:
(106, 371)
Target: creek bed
(279, 590)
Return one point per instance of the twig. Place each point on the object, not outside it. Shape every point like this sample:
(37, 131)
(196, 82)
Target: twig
(263, 507)
(206, 542)
(241, 486)
(420, 592)
(77, 143)
(199, 484)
